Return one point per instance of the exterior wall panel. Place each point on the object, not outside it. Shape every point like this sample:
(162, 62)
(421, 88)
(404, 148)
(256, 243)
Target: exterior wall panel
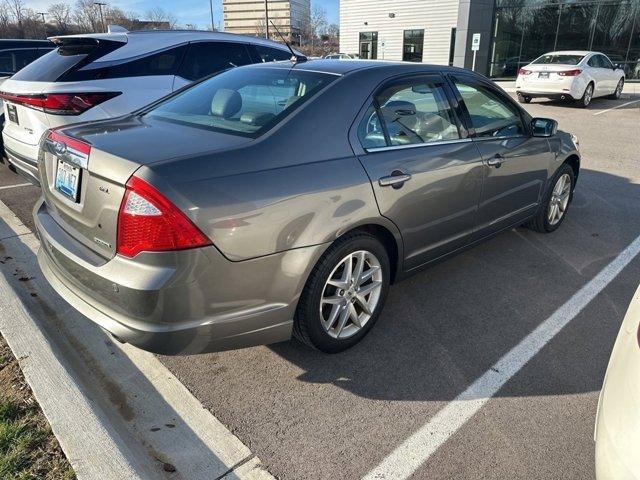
(436, 17)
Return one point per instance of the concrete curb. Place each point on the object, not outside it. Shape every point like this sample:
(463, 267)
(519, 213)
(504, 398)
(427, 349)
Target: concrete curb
(116, 410)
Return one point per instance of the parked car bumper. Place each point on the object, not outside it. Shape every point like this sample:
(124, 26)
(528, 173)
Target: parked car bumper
(569, 88)
(23, 157)
(184, 302)
(617, 432)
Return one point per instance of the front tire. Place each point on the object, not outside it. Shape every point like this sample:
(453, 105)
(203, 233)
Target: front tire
(555, 202)
(344, 294)
(618, 91)
(587, 96)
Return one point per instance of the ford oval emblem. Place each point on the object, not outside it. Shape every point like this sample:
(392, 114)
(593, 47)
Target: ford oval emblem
(59, 147)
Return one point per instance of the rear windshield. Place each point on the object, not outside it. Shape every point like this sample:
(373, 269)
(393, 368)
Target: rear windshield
(559, 59)
(65, 59)
(242, 101)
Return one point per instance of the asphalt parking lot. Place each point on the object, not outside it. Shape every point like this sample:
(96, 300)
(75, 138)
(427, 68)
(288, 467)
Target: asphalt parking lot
(308, 415)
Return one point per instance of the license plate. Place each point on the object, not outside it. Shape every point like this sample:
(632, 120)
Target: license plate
(12, 111)
(68, 179)
(543, 75)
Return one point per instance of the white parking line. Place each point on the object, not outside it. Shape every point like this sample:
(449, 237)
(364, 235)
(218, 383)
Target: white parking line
(419, 447)
(617, 106)
(16, 186)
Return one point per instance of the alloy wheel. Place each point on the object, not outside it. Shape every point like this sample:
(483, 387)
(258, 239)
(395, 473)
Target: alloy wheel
(351, 294)
(588, 94)
(559, 199)
(619, 88)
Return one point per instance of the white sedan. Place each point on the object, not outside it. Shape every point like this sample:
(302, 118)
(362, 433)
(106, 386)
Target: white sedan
(570, 75)
(617, 432)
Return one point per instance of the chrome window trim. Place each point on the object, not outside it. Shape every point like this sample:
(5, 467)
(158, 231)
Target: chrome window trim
(417, 145)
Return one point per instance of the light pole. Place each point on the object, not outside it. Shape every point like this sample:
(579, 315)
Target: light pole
(266, 17)
(44, 23)
(100, 5)
(211, 9)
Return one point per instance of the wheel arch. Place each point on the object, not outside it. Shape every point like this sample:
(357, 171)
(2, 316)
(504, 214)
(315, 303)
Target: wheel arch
(573, 161)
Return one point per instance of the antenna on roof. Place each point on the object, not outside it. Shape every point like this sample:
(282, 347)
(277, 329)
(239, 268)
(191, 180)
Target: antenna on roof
(295, 58)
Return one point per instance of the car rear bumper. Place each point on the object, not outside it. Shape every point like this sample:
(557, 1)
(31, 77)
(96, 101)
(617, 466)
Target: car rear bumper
(617, 432)
(569, 88)
(23, 157)
(186, 302)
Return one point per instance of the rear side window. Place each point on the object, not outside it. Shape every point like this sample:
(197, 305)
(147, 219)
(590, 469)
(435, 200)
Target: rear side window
(268, 54)
(491, 115)
(205, 58)
(165, 62)
(13, 60)
(65, 59)
(412, 112)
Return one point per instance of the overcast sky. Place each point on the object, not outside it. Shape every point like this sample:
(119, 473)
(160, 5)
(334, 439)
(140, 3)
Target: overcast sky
(187, 11)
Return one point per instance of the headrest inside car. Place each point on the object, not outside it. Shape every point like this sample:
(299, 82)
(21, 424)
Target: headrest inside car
(226, 103)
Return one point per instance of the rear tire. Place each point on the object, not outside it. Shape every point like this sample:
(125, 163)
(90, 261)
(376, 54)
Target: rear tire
(618, 91)
(524, 98)
(554, 199)
(587, 96)
(331, 317)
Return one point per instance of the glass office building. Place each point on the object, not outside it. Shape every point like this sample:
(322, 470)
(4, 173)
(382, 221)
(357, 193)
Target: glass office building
(525, 29)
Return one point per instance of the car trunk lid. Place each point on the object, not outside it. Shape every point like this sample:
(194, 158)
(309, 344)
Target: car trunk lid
(85, 169)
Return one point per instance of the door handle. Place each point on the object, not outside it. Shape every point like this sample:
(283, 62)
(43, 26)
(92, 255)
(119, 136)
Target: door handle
(395, 180)
(496, 161)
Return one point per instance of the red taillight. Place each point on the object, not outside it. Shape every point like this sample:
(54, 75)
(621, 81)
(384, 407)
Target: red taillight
(524, 71)
(70, 142)
(570, 73)
(148, 221)
(61, 103)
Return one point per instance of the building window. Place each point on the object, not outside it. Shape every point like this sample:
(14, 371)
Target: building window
(369, 45)
(525, 30)
(452, 46)
(413, 44)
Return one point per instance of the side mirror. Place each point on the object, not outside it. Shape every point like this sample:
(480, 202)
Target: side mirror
(544, 127)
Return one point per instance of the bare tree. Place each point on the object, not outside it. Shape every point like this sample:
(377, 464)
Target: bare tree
(60, 14)
(6, 27)
(16, 11)
(87, 16)
(157, 14)
(260, 28)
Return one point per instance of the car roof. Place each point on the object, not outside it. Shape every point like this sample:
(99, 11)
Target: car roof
(141, 42)
(345, 66)
(570, 52)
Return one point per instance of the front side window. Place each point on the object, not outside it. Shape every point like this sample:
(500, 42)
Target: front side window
(411, 112)
(206, 58)
(268, 54)
(245, 102)
(413, 44)
(491, 115)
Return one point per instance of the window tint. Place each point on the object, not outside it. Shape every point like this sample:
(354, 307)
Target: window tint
(593, 62)
(165, 62)
(605, 62)
(413, 112)
(205, 58)
(13, 60)
(268, 54)
(53, 65)
(491, 115)
(245, 102)
(561, 59)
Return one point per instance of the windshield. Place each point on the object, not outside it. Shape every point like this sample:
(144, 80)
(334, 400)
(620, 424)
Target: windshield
(562, 59)
(242, 101)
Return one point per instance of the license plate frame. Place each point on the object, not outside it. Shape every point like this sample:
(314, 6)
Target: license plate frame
(12, 113)
(68, 180)
(543, 75)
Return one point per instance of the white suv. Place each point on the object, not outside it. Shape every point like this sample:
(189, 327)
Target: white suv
(97, 76)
